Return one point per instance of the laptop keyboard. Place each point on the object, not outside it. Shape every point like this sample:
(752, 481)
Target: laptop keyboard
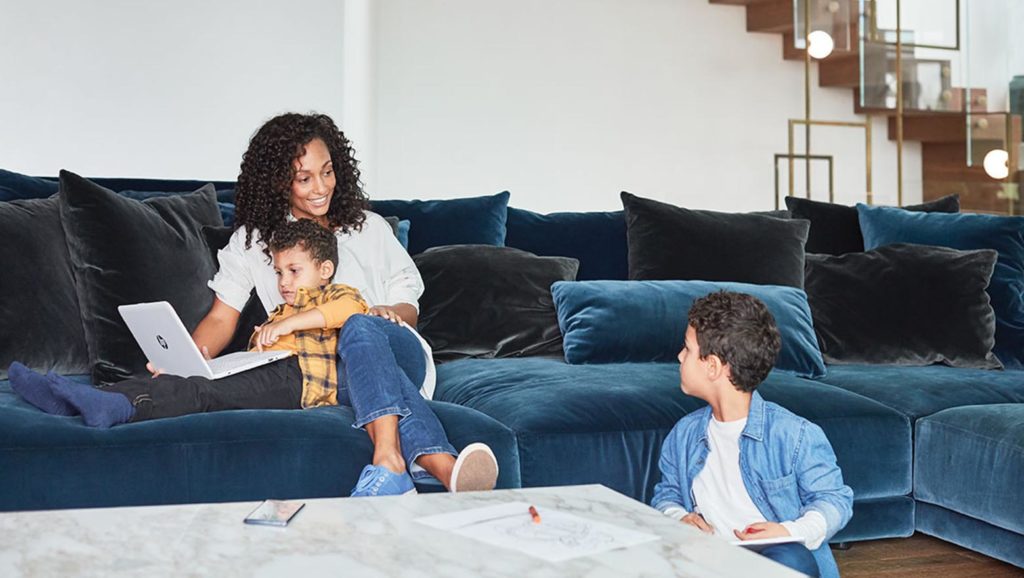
(234, 360)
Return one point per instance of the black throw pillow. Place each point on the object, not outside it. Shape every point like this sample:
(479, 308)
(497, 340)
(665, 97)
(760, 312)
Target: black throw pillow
(904, 305)
(42, 325)
(835, 229)
(252, 313)
(668, 242)
(126, 251)
(486, 301)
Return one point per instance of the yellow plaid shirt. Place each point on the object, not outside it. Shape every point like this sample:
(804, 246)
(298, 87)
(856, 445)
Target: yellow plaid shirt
(317, 348)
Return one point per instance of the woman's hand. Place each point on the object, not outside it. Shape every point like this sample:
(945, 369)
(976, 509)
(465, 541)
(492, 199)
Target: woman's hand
(697, 521)
(268, 333)
(761, 530)
(385, 311)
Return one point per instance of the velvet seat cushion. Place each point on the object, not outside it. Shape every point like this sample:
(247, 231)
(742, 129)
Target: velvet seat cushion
(669, 242)
(51, 462)
(125, 251)
(605, 423)
(985, 447)
(920, 391)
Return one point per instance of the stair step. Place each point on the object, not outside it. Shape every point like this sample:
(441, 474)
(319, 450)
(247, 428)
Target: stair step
(952, 128)
(736, 2)
(954, 106)
(842, 70)
(770, 16)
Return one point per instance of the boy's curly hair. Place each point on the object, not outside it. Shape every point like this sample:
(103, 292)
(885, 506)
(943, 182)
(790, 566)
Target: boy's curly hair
(739, 329)
(263, 192)
(316, 240)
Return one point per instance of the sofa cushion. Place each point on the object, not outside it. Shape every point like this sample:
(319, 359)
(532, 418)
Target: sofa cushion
(921, 391)
(636, 321)
(835, 229)
(605, 423)
(904, 305)
(42, 324)
(669, 242)
(886, 226)
(57, 462)
(596, 239)
(954, 446)
(126, 251)
(471, 221)
(14, 186)
(483, 301)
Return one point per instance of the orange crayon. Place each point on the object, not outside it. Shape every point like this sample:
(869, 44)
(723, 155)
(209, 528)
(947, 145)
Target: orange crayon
(534, 515)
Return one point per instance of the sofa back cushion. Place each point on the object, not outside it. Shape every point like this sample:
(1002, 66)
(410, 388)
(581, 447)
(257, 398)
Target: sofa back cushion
(966, 231)
(484, 301)
(596, 239)
(644, 321)
(835, 229)
(125, 251)
(904, 305)
(42, 324)
(471, 221)
(669, 242)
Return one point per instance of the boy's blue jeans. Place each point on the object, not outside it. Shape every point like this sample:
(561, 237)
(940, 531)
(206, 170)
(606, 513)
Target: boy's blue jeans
(380, 369)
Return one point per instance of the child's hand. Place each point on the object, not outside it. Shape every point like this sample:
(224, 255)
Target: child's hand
(697, 521)
(761, 530)
(268, 334)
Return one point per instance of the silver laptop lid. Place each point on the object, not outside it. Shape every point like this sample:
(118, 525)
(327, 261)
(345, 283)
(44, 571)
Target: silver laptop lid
(164, 339)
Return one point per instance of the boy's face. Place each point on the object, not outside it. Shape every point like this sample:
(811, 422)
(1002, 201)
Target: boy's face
(692, 372)
(296, 269)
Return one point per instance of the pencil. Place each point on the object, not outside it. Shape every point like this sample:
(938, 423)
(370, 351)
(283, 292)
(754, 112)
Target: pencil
(534, 515)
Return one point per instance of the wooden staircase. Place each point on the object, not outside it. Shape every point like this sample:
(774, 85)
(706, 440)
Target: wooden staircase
(942, 133)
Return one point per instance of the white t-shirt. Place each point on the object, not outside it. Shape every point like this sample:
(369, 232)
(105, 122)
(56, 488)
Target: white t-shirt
(371, 260)
(721, 496)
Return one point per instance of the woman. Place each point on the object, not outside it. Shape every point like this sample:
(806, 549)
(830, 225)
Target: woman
(301, 166)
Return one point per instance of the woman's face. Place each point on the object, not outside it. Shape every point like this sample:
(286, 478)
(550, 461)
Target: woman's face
(313, 184)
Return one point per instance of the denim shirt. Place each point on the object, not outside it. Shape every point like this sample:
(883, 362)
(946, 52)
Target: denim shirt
(786, 462)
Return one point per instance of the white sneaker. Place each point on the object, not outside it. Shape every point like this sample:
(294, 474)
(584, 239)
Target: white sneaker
(476, 469)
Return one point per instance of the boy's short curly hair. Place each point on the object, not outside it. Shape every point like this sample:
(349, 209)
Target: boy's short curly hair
(739, 330)
(316, 240)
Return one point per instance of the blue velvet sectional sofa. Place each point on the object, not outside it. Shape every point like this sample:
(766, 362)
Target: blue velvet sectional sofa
(931, 449)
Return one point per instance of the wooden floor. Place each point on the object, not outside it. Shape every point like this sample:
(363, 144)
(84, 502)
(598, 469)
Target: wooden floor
(918, 556)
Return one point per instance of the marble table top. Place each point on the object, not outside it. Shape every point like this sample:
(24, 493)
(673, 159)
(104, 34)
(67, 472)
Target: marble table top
(365, 537)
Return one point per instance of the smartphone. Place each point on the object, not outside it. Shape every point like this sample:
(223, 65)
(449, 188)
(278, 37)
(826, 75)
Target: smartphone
(274, 513)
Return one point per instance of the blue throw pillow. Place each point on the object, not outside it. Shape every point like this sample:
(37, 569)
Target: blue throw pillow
(472, 221)
(966, 231)
(597, 240)
(403, 233)
(14, 186)
(641, 321)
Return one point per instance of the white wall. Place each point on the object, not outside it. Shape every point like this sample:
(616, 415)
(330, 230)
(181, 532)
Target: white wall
(567, 103)
(158, 89)
(563, 103)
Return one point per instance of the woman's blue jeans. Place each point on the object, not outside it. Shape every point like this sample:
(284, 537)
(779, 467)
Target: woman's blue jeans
(380, 369)
(795, 556)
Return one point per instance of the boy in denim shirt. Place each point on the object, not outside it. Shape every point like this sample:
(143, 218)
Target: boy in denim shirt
(743, 468)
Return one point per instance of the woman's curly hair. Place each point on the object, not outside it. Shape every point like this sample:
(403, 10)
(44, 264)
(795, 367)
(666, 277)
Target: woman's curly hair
(263, 192)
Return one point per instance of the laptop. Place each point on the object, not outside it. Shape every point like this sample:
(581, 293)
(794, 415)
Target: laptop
(168, 345)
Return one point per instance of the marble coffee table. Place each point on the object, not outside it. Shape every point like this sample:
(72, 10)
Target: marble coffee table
(365, 537)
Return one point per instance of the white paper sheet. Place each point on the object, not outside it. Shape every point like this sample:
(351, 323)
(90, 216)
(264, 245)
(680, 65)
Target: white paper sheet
(559, 536)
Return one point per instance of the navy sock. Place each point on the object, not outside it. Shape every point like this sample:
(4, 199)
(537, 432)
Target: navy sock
(35, 388)
(99, 408)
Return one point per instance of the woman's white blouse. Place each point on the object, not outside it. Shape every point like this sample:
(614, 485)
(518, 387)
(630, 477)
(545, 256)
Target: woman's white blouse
(370, 260)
